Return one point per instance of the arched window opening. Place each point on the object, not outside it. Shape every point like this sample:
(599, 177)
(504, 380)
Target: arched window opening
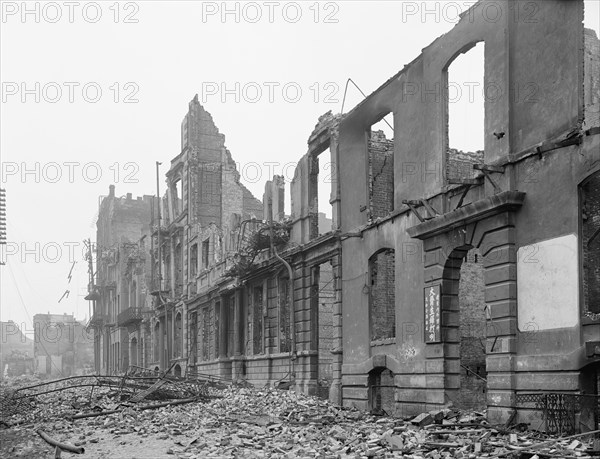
(465, 98)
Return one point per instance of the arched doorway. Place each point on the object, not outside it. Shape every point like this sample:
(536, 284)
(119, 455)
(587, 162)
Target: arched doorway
(177, 371)
(382, 391)
(464, 328)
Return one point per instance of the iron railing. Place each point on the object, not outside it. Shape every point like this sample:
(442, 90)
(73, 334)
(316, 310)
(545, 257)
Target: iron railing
(130, 316)
(561, 410)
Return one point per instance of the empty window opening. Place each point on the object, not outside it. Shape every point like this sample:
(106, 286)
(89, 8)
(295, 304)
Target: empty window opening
(156, 341)
(215, 330)
(326, 182)
(590, 240)
(206, 333)
(465, 97)
(284, 316)
(177, 339)
(177, 371)
(193, 338)
(324, 296)
(382, 296)
(471, 329)
(133, 296)
(230, 327)
(177, 198)
(257, 321)
(381, 167)
(382, 391)
(134, 352)
(588, 417)
(194, 260)
(205, 250)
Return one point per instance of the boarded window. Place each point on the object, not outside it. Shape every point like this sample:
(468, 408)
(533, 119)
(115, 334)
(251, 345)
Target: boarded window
(382, 301)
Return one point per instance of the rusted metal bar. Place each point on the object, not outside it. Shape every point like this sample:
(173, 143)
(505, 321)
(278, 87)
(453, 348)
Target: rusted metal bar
(141, 408)
(64, 446)
(414, 209)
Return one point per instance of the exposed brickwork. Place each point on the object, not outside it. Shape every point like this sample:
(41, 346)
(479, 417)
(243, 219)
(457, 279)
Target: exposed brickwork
(471, 298)
(382, 391)
(591, 251)
(381, 174)
(382, 301)
(459, 164)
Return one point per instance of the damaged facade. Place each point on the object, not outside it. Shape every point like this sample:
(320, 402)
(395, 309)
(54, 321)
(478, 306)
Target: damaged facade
(444, 276)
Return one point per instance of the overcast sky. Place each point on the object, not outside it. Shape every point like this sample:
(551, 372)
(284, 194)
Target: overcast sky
(94, 94)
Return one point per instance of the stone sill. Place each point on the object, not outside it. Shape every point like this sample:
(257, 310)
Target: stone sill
(383, 342)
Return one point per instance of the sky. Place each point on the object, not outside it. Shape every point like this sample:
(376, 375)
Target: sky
(93, 94)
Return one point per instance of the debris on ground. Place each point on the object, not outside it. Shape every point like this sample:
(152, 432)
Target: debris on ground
(244, 422)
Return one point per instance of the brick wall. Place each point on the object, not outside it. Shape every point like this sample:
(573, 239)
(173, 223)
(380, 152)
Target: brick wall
(591, 251)
(459, 164)
(382, 296)
(381, 174)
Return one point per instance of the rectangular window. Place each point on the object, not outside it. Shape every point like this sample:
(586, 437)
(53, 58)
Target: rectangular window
(206, 327)
(284, 316)
(381, 169)
(205, 249)
(194, 260)
(257, 319)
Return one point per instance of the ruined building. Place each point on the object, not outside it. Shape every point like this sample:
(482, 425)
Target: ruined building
(121, 291)
(445, 277)
(61, 346)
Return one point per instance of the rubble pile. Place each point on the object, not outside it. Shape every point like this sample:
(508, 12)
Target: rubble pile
(242, 422)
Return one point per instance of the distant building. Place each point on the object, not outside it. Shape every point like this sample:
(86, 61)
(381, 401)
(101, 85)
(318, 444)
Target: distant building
(16, 351)
(62, 346)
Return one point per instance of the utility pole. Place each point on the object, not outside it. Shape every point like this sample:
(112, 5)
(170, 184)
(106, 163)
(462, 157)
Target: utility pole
(290, 292)
(160, 301)
(158, 232)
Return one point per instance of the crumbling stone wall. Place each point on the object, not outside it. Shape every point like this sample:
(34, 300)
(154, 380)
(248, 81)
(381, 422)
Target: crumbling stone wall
(382, 301)
(381, 174)
(590, 214)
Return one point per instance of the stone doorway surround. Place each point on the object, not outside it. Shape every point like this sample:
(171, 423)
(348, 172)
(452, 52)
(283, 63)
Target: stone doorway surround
(488, 225)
